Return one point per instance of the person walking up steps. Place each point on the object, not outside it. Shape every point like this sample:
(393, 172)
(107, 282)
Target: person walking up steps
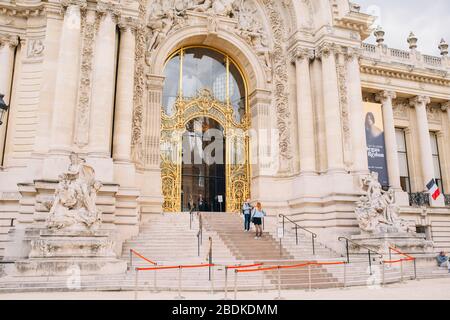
(257, 215)
(247, 211)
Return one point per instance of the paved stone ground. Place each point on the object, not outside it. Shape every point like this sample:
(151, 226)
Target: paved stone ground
(411, 290)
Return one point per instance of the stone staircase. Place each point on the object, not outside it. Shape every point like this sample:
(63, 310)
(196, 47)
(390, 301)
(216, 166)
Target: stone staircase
(171, 240)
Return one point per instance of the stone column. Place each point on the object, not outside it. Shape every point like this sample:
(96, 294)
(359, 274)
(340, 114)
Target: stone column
(355, 103)
(305, 115)
(390, 138)
(66, 88)
(7, 51)
(103, 82)
(446, 107)
(123, 116)
(420, 104)
(332, 113)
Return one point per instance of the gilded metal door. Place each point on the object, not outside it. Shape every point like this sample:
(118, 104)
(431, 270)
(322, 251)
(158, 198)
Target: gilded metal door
(237, 175)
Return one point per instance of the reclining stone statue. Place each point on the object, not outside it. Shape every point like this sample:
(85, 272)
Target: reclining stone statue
(74, 208)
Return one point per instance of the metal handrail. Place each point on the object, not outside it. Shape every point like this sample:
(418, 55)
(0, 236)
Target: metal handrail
(313, 235)
(200, 232)
(347, 240)
(191, 212)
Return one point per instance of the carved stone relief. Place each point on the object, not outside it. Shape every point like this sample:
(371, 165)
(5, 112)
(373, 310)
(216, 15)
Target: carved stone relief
(168, 16)
(89, 28)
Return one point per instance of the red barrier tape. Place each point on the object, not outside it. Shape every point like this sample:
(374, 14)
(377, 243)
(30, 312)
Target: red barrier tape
(403, 254)
(408, 257)
(176, 267)
(291, 267)
(143, 258)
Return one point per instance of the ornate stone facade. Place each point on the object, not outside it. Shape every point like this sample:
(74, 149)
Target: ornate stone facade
(90, 77)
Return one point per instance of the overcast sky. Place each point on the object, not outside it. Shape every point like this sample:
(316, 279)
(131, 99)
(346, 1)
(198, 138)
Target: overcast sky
(428, 19)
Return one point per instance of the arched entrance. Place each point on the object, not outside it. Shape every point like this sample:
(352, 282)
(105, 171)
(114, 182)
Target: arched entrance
(204, 140)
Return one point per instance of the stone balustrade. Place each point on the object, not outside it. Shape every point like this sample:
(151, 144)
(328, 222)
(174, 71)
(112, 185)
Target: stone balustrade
(411, 58)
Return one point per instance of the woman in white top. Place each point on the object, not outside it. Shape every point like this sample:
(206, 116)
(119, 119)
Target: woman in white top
(257, 215)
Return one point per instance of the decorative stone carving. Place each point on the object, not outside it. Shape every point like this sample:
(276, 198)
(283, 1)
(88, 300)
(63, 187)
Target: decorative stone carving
(401, 110)
(433, 113)
(377, 212)
(379, 34)
(302, 53)
(10, 40)
(74, 207)
(139, 87)
(445, 106)
(35, 48)
(341, 69)
(281, 83)
(79, 3)
(89, 28)
(443, 47)
(412, 41)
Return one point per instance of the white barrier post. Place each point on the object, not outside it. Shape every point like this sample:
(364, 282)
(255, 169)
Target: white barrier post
(179, 297)
(235, 284)
(136, 284)
(384, 279)
(226, 283)
(345, 275)
(212, 280)
(309, 277)
(401, 270)
(279, 285)
(155, 287)
(262, 281)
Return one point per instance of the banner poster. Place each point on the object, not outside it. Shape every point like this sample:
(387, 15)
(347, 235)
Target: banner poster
(376, 148)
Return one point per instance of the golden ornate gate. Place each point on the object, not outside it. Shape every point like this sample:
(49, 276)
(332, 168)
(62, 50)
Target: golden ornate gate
(237, 165)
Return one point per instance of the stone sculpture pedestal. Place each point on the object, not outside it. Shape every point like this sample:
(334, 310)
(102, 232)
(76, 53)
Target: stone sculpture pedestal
(411, 243)
(56, 252)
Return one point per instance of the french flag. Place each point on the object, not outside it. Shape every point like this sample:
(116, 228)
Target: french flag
(433, 189)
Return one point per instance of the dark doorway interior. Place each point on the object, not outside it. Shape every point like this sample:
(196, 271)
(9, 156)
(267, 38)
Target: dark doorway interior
(203, 168)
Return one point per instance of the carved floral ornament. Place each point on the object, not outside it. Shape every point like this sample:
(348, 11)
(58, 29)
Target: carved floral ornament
(10, 40)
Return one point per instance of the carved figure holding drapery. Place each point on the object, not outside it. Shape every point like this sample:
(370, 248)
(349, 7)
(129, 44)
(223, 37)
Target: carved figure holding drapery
(376, 211)
(74, 205)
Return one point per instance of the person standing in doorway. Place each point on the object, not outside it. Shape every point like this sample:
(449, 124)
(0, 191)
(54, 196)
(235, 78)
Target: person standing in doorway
(247, 211)
(257, 215)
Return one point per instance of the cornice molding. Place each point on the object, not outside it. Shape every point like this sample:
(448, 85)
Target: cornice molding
(404, 75)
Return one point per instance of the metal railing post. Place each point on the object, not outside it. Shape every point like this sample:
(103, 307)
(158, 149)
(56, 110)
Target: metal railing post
(313, 245)
(390, 254)
(210, 257)
(262, 281)
(136, 284)
(415, 269)
(226, 283)
(348, 253)
(309, 278)
(131, 260)
(345, 275)
(179, 297)
(155, 287)
(370, 262)
(401, 270)
(212, 281)
(279, 284)
(281, 250)
(198, 243)
(235, 284)
(296, 235)
(383, 274)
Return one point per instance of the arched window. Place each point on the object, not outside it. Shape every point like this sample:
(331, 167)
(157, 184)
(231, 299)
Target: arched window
(191, 69)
